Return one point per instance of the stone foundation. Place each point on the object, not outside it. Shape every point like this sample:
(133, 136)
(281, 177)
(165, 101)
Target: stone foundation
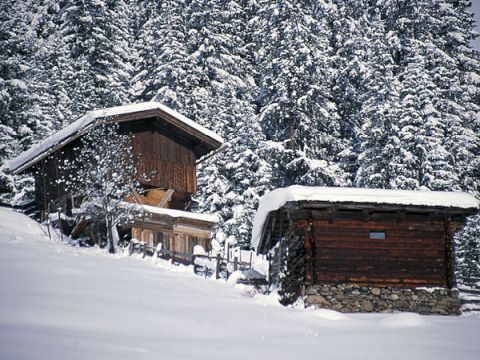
(350, 298)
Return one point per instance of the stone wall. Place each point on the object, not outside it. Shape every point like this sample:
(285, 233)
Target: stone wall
(350, 298)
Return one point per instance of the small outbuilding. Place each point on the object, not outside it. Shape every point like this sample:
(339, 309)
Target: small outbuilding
(369, 249)
(167, 146)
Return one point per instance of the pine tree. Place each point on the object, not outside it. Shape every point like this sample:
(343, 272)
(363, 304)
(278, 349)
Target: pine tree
(294, 78)
(162, 54)
(94, 58)
(457, 69)
(468, 253)
(378, 97)
(232, 182)
(349, 24)
(20, 115)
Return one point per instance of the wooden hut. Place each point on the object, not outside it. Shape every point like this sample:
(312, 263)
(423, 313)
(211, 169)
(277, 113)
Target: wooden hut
(388, 240)
(167, 145)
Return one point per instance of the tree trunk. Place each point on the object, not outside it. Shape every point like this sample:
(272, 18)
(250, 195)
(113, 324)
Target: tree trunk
(111, 247)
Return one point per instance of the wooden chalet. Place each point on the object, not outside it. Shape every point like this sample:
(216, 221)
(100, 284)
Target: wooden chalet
(168, 146)
(367, 237)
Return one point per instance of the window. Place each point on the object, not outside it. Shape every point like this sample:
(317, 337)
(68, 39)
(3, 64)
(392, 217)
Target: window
(377, 235)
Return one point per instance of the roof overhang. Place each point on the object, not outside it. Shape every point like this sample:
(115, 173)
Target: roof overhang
(205, 139)
(338, 198)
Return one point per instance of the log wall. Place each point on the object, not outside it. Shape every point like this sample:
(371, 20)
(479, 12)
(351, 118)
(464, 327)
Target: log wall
(415, 251)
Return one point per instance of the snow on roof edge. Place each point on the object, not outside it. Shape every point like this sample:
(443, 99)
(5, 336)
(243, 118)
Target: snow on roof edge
(277, 198)
(180, 214)
(48, 143)
(80, 125)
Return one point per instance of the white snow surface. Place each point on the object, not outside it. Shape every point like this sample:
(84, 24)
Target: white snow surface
(83, 124)
(275, 199)
(211, 218)
(63, 302)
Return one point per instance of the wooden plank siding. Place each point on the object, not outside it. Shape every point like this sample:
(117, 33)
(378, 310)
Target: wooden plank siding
(179, 242)
(413, 253)
(167, 162)
(49, 194)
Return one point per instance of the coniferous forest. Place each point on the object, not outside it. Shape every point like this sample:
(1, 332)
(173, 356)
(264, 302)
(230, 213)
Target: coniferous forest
(365, 93)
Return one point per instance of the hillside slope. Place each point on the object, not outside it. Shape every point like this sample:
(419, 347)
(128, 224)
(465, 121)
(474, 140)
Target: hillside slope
(60, 302)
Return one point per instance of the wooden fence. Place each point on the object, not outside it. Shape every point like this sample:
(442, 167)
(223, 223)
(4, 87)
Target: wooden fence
(207, 264)
(470, 299)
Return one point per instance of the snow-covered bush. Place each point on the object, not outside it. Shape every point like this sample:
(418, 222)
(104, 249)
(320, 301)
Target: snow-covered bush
(288, 268)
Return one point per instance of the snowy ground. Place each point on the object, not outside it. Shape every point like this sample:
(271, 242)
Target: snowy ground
(60, 302)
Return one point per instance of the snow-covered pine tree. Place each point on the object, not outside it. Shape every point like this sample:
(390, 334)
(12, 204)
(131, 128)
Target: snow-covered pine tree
(295, 77)
(347, 20)
(232, 182)
(416, 143)
(21, 90)
(468, 253)
(103, 172)
(94, 64)
(377, 94)
(161, 64)
(456, 68)
(42, 92)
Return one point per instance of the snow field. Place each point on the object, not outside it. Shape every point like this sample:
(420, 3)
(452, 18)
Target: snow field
(62, 302)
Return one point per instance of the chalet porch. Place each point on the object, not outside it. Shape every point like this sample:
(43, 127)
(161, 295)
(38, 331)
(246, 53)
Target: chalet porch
(175, 232)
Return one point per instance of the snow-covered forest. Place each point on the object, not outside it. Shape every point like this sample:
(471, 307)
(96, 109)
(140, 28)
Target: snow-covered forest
(378, 94)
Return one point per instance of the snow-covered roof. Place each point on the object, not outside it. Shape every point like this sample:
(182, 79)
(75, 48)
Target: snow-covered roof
(180, 214)
(338, 195)
(90, 120)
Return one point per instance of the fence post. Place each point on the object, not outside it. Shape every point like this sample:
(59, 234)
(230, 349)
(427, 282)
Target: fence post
(48, 227)
(217, 270)
(235, 263)
(60, 227)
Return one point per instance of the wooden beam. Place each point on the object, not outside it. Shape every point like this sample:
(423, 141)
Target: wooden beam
(449, 252)
(79, 228)
(221, 149)
(166, 198)
(137, 197)
(192, 230)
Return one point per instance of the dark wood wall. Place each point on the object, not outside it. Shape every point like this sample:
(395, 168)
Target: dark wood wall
(49, 194)
(416, 250)
(167, 160)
